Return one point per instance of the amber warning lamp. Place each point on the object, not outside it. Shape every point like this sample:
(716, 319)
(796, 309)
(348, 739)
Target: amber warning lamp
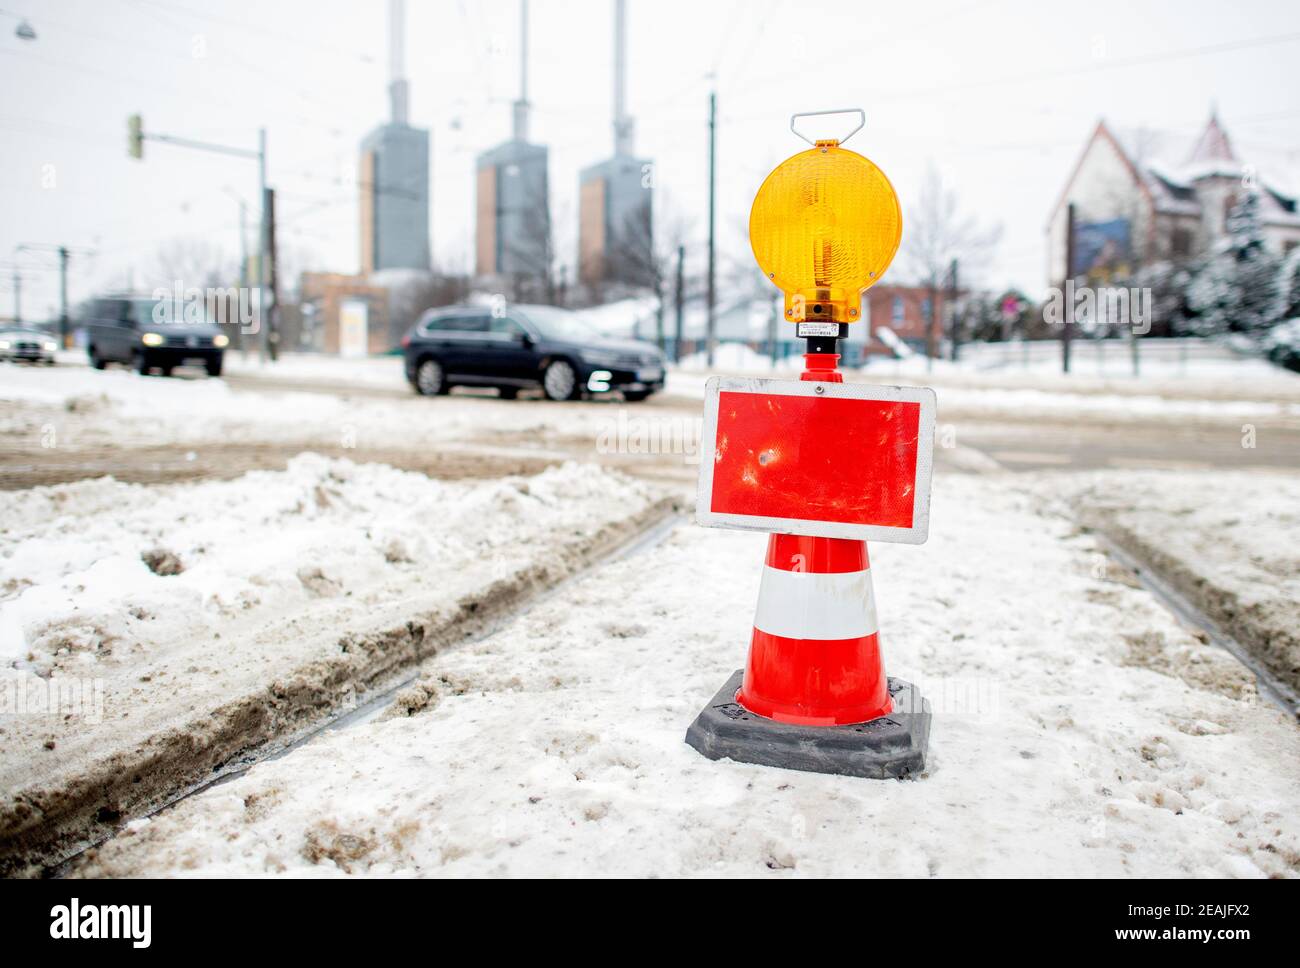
(824, 227)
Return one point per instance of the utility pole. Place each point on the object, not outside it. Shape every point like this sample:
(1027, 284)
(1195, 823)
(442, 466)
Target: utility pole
(263, 246)
(64, 254)
(238, 331)
(18, 296)
(63, 296)
(952, 308)
(1068, 309)
(270, 276)
(711, 333)
(660, 339)
(681, 287)
(931, 320)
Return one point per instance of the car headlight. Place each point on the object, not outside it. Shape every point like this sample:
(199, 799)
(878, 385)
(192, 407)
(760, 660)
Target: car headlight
(221, 341)
(51, 347)
(4, 344)
(151, 339)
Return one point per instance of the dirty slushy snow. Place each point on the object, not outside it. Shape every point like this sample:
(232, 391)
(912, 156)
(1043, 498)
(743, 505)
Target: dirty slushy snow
(1078, 730)
(203, 620)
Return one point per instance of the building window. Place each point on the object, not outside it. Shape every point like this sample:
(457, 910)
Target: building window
(925, 309)
(1180, 243)
(896, 312)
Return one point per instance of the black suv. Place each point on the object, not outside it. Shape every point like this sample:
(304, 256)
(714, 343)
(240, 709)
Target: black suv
(526, 346)
(144, 333)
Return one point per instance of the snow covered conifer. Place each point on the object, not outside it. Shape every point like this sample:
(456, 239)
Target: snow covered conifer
(1236, 288)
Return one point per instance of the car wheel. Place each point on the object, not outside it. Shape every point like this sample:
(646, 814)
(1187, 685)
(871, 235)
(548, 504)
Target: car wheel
(635, 396)
(140, 364)
(214, 367)
(96, 360)
(560, 382)
(509, 393)
(430, 380)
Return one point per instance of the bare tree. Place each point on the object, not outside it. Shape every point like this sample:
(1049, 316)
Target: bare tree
(193, 262)
(438, 289)
(936, 235)
(643, 255)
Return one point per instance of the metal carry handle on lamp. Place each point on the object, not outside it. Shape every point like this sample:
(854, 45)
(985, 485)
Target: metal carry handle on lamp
(862, 120)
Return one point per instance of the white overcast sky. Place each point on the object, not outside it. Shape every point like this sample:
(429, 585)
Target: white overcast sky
(999, 94)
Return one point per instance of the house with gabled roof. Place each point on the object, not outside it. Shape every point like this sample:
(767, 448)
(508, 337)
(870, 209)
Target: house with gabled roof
(1143, 196)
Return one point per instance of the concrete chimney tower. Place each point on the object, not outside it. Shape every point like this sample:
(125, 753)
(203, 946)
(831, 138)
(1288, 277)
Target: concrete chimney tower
(397, 87)
(393, 174)
(615, 241)
(513, 224)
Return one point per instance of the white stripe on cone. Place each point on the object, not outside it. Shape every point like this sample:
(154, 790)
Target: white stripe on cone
(816, 605)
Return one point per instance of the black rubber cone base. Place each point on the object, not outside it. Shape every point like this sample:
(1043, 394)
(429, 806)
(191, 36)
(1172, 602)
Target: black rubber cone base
(892, 746)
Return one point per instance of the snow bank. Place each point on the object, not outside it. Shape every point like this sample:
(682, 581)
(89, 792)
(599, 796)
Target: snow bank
(1227, 540)
(74, 554)
(370, 371)
(86, 407)
(738, 358)
(215, 618)
(1078, 730)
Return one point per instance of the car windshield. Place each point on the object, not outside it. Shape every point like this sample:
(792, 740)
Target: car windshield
(25, 334)
(167, 312)
(559, 323)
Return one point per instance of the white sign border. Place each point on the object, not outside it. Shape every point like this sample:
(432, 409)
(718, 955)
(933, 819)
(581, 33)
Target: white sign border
(918, 533)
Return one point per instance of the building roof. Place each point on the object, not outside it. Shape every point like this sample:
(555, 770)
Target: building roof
(1213, 145)
(1171, 164)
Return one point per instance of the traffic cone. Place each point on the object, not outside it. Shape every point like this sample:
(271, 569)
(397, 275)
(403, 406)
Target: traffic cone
(814, 657)
(813, 694)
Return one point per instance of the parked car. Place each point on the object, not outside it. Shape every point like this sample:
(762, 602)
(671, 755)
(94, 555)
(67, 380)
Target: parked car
(27, 346)
(135, 331)
(528, 346)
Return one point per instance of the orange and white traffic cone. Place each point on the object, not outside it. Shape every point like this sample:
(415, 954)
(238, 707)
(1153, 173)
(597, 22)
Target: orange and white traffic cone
(813, 694)
(814, 658)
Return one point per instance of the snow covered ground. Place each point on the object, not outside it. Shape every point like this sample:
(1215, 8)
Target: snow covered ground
(1078, 730)
(332, 535)
(1229, 541)
(73, 422)
(1215, 389)
(196, 621)
(308, 367)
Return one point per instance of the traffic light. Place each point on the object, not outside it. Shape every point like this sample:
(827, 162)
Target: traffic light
(135, 136)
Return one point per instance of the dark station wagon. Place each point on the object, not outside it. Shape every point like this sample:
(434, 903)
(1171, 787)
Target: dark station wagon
(526, 347)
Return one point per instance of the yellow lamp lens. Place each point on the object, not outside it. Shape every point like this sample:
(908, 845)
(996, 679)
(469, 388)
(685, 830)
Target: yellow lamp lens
(825, 225)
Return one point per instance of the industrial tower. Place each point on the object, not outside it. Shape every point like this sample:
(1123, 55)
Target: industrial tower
(393, 176)
(513, 239)
(615, 241)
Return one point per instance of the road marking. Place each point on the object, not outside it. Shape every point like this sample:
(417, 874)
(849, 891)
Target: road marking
(1030, 457)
